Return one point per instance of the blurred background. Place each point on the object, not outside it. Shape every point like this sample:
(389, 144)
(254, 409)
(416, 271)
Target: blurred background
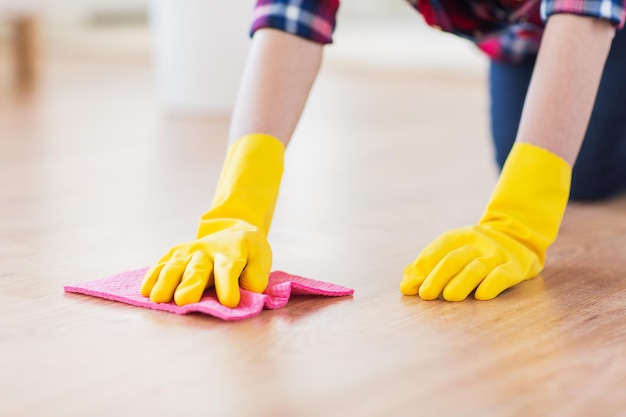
(195, 49)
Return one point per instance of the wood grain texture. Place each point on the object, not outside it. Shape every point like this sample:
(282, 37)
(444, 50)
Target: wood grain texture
(94, 180)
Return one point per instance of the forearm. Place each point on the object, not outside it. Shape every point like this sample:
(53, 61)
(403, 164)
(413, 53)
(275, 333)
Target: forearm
(279, 74)
(564, 84)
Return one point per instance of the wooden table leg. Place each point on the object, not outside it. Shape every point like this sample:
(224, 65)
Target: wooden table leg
(26, 47)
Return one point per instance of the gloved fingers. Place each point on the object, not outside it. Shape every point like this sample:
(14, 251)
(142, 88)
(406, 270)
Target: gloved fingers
(169, 278)
(227, 271)
(256, 274)
(416, 272)
(446, 269)
(197, 277)
(151, 277)
(411, 280)
(498, 280)
(468, 279)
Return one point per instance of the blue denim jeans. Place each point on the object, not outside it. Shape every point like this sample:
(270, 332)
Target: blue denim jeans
(600, 170)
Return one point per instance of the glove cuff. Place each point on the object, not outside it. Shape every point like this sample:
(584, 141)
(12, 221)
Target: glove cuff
(249, 182)
(530, 198)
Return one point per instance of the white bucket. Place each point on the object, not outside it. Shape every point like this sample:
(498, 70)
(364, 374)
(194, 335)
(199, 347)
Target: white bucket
(200, 47)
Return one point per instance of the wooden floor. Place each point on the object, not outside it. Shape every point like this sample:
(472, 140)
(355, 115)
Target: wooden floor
(94, 180)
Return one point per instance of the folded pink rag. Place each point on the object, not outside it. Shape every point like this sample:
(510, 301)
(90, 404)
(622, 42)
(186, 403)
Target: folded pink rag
(124, 288)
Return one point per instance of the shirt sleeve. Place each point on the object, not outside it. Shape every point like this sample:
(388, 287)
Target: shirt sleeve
(612, 10)
(310, 19)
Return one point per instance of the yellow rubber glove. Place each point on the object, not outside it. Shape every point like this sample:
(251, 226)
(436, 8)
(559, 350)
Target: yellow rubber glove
(509, 243)
(231, 248)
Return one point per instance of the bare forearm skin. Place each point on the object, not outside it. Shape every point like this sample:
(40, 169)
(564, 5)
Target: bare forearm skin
(564, 84)
(278, 77)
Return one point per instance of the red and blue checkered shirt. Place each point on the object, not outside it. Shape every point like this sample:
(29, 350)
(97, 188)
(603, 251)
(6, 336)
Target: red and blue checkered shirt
(507, 30)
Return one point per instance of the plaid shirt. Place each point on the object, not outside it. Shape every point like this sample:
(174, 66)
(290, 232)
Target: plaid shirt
(507, 30)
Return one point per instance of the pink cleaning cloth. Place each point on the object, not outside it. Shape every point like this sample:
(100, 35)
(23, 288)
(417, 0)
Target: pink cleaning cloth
(124, 287)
